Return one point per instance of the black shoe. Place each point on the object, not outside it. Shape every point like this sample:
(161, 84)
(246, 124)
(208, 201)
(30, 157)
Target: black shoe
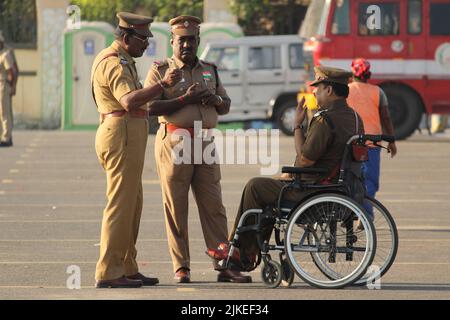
(122, 282)
(6, 143)
(146, 281)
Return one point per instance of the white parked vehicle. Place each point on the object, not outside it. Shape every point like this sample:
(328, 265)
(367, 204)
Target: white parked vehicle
(262, 75)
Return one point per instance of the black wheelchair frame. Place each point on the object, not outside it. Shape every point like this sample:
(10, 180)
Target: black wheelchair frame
(278, 217)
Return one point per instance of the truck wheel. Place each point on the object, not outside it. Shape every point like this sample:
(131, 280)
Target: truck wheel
(153, 125)
(405, 109)
(285, 116)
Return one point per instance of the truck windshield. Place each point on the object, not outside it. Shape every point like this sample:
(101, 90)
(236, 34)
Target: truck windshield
(224, 58)
(315, 20)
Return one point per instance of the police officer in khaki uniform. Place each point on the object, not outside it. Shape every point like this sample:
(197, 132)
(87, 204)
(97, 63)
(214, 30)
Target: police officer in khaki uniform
(200, 96)
(8, 80)
(120, 145)
(321, 147)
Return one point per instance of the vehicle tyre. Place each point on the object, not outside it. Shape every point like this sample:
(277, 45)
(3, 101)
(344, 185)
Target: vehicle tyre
(285, 115)
(405, 109)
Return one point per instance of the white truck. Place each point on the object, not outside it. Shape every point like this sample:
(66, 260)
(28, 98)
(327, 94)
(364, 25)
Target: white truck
(262, 75)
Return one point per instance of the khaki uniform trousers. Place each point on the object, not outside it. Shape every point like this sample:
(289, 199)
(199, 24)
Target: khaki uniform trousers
(120, 146)
(176, 180)
(6, 115)
(259, 193)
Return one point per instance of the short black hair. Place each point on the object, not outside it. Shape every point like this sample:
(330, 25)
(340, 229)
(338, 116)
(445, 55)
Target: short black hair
(339, 89)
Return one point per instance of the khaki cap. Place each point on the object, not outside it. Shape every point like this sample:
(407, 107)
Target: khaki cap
(140, 24)
(333, 75)
(185, 25)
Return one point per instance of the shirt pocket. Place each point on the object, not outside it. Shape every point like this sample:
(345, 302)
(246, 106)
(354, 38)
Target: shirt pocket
(211, 85)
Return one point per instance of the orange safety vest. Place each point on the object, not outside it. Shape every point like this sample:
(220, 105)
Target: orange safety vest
(364, 98)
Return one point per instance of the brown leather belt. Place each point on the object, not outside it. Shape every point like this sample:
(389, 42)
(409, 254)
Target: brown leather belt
(139, 113)
(171, 128)
(205, 133)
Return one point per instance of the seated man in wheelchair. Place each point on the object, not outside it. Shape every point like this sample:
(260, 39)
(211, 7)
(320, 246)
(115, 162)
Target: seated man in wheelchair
(322, 147)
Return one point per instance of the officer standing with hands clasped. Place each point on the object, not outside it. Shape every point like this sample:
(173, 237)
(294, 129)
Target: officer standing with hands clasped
(120, 145)
(200, 97)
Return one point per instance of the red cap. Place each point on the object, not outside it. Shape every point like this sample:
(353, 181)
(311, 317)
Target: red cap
(361, 68)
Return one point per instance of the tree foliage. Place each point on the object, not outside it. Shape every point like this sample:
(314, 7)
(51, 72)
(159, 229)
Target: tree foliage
(254, 16)
(160, 10)
(19, 13)
(269, 16)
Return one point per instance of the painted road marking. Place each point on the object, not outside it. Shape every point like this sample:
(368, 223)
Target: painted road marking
(186, 289)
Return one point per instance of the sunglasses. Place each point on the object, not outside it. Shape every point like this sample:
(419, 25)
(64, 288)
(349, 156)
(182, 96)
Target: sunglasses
(143, 40)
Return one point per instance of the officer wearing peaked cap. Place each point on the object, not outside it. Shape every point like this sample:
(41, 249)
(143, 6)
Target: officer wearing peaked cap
(322, 146)
(200, 97)
(139, 24)
(330, 75)
(329, 129)
(120, 146)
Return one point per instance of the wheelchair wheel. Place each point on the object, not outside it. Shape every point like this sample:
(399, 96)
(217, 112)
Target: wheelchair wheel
(387, 243)
(322, 228)
(272, 273)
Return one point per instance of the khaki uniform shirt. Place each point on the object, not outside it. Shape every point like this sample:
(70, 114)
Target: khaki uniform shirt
(326, 146)
(114, 77)
(204, 73)
(6, 63)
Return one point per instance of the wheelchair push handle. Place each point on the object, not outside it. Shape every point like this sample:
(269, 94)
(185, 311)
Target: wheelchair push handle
(378, 138)
(370, 137)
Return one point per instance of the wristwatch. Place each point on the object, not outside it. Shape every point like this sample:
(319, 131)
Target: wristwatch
(301, 127)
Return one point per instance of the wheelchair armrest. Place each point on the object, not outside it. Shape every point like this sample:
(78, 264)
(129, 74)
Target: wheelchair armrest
(297, 170)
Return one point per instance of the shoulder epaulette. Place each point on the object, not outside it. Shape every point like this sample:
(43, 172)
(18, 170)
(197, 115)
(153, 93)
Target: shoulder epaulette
(323, 115)
(319, 113)
(209, 63)
(107, 56)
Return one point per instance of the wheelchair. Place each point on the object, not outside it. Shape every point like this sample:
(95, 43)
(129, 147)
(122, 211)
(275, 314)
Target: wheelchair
(327, 238)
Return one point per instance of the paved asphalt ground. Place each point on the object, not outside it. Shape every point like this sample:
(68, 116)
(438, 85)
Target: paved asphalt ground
(52, 193)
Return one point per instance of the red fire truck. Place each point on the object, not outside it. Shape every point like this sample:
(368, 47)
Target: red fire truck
(407, 43)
